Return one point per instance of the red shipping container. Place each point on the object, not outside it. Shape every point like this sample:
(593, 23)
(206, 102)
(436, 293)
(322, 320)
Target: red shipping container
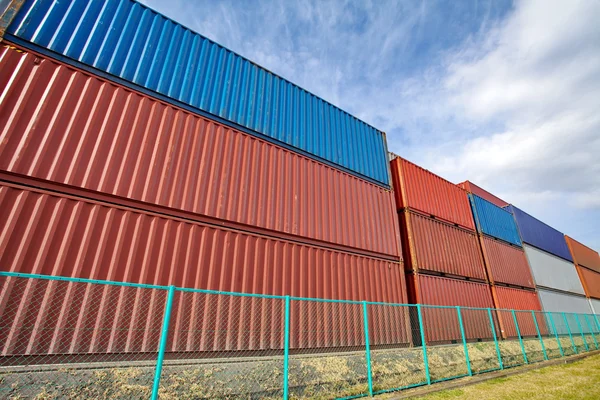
(53, 234)
(441, 324)
(433, 245)
(505, 263)
(484, 194)
(421, 190)
(590, 281)
(507, 298)
(66, 126)
(583, 255)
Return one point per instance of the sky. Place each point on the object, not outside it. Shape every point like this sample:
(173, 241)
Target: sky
(505, 94)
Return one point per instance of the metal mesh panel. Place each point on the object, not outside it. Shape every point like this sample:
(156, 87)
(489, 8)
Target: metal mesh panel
(445, 349)
(223, 345)
(397, 360)
(327, 349)
(509, 343)
(577, 334)
(62, 339)
(483, 354)
(552, 343)
(528, 328)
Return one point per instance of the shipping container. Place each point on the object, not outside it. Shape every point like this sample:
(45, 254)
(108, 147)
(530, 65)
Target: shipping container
(436, 246)
(583, 255)
(484, 194)
(441, 324)
(590, 281)
(133, 44)
(506, 298)
(558, 303)
(553, 272)
(54, 234)
(494, 221)
(505, 263)
(538, 234)
(66, 126)
(420, 190)
(595, 306)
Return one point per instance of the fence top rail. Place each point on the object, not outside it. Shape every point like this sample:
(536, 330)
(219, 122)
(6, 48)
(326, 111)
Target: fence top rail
(81, 280)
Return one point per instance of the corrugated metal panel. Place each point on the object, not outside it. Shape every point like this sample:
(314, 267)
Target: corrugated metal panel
(65, 236)
(130, 41)
(518, 299)
(421, 190)
(595, 306)
(442, 324)
(436, 246)
(583, 255)
(563, 302)
(494, 221)
(64, 126)
(590, 281)
(506, 263)
(484, 194)
(540, 235)
(8, 10)
(553, 272)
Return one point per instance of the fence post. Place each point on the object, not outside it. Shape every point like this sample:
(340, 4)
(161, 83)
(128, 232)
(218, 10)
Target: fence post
(537, 328)
(562, 353)
(286, 348)
(464, 339)
(367, 348)
(520, 338)
(163, 342)
(495, 339)
(587, 321)
(570, 336)
(581, 331)
(422, 329)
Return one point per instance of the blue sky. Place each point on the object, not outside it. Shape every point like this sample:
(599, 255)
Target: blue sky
(504, 94)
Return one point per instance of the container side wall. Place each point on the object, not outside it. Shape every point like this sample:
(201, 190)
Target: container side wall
(420, 190)
(517, 299)
(562, 302)
(129, 41)
(553, 272)
(583, 255)
(595, 306)
(506, 263)
(591, 282)
(540, 235)
(494, 221)
(66, 126)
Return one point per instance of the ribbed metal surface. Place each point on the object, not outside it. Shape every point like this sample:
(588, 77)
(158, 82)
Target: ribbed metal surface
(494, 221)
(563, 302)
(595, 305)
(553, 272)
(590, 281)
(58, 235)
(583, 255)
(517, 299)
(432, 245)
(65, 126)
(484, 194)
(130, 41)
(442, 324)
(539, 234)
(418, 189)
(506, 263)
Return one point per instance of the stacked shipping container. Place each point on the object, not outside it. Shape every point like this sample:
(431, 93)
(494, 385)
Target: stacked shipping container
(559, 287)
(133, 149)
(587, 263)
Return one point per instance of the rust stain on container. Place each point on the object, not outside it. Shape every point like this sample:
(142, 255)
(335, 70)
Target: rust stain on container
(505, 263)
(442, 324)
(437, 246)
(583, 255)
(508, 298)
(590, 281)
(484, 194)
(66, 126)
(53, 234)
(421, 190)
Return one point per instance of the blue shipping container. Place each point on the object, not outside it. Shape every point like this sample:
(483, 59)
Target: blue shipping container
(494, 221)
(538, 234)
(131, 41)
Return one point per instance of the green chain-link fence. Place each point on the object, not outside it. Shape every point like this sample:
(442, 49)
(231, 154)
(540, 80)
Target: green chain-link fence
(78, 338)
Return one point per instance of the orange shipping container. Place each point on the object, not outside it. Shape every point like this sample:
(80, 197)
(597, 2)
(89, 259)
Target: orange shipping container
(590, 281)
(506, 264)
(484, 194)
(432, 245)
(583, 255)
(506, 298)
(63, 125)
(421, 190)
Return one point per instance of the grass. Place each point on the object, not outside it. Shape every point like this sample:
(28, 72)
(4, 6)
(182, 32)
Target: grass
(579, 380)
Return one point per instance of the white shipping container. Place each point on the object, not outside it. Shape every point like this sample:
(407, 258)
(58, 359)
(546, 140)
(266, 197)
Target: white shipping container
(553, 272)
(595, 305)
(556, 303)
